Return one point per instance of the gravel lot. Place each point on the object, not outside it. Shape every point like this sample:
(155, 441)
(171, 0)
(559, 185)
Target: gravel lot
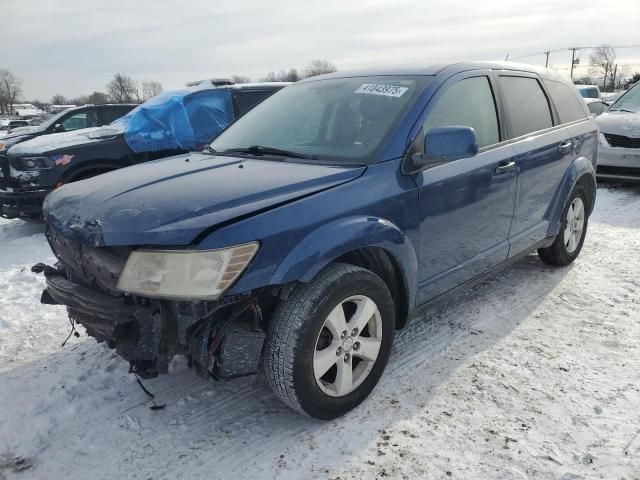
(532, 374)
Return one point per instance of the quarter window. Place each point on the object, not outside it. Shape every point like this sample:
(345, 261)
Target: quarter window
(569, 106)
(468, 103)
(526, 104)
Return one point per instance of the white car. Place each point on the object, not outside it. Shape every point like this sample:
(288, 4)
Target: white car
(619, 153)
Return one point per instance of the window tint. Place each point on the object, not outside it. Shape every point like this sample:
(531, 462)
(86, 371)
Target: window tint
(81, 120)
(111, 114)
(245, 101)
(526, 104)
(569, 106)
(468, 103)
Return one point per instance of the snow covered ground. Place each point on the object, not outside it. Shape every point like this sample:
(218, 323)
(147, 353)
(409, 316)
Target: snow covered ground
(532, 374)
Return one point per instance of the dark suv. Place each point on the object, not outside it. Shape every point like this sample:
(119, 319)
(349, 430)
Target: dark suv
(323, 220)
(172, 123)
(11, 194)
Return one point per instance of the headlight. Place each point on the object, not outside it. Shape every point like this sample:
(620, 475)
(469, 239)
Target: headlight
(185, 274)
(34, 163)
(603, 140)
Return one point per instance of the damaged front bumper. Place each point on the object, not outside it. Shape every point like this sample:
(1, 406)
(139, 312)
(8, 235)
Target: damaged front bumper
(222, 339)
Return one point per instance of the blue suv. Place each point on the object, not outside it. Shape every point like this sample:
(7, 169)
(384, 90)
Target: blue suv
(322, 221)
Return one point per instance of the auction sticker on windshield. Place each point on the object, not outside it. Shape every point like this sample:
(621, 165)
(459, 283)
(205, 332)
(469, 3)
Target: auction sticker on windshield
(379, 89)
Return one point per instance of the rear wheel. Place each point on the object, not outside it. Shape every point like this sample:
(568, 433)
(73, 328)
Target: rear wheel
(330, 340)
(568, 243)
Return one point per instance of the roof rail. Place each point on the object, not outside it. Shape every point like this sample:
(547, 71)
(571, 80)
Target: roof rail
(214, 81)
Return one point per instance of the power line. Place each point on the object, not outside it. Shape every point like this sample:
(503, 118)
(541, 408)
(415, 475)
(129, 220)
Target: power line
(565, 49)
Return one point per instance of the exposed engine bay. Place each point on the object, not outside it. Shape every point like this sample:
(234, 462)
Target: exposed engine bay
(221, 338)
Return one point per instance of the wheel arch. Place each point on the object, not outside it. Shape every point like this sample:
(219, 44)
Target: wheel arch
(98, 166)
(581, 172)
(368, 242)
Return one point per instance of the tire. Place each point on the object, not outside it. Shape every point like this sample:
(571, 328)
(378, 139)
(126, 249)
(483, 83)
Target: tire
(562, 252)
(301, 328)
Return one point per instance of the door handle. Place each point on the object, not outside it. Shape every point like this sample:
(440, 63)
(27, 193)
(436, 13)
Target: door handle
(507, 167)
(565, 147)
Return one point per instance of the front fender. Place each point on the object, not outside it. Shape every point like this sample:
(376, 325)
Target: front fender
(332, 240)
(580, 167)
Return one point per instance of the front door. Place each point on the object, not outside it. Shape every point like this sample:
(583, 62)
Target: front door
(466, 206)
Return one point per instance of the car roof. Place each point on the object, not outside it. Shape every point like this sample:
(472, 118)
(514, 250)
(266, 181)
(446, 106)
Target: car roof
(451, 68)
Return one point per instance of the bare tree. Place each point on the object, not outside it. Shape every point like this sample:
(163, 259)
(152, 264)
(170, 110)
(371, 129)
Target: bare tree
(602, 61)
(122, 89)
(318, 67)
(81, 100)
(98, 98)
(10, 90)
(58, 99)
(291, 75)
(150, 88)
(240, 79)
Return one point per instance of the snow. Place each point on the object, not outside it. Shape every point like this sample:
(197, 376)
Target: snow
(532, 374)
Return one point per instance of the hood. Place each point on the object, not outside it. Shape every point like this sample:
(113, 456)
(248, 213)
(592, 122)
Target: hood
(171, 201)
(620, 123)
(9, 140)
(56, 141)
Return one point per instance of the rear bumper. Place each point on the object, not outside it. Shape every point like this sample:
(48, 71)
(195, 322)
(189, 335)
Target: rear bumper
(16, 204)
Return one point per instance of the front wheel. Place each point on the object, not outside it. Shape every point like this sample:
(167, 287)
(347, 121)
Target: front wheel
(568, 243)
(330, 340)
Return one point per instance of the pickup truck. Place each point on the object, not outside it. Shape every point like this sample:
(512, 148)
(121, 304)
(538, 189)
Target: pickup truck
(322, 221)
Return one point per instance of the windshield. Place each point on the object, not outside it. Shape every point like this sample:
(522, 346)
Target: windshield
(341, 120)
(630, 101)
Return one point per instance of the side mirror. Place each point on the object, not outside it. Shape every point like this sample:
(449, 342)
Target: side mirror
(443, 145)
(58, 128)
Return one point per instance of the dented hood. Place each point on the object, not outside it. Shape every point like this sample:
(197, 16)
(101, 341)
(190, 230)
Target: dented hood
(171, 201)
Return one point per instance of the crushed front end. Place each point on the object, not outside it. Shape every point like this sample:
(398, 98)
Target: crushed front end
(222, 338)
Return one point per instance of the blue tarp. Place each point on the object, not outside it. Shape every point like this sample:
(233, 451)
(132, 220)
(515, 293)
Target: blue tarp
(181, 119)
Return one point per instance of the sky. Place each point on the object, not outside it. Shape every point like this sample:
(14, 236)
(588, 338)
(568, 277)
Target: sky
(73, 47)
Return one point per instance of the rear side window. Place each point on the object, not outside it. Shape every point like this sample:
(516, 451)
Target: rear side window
(569, 106)
(468, 103)
(526, 104)
(245, 101)
(111, 114)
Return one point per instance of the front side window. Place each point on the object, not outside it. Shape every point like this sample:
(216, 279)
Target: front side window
(80, 120)
(468, 103)
(569, 106)
(341, 120)
(526, 105)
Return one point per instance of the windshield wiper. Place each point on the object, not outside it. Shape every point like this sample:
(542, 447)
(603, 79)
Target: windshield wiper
(260, 150)
(621, 110)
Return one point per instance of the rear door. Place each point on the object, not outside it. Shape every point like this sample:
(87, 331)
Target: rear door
(466, 206)
(544, 152)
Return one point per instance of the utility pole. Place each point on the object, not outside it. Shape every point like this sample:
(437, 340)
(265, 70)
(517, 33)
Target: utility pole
(615, 72)
(573, 59)
(546, 62)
